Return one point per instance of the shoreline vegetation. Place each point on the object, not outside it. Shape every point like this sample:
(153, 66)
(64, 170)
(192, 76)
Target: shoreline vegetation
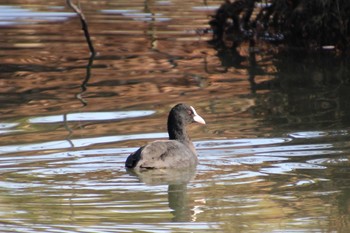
(306, 24)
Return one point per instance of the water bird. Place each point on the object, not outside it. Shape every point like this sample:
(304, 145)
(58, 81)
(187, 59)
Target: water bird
(177, 152)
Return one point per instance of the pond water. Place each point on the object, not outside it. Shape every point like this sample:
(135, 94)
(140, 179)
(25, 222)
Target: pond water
(274, 155)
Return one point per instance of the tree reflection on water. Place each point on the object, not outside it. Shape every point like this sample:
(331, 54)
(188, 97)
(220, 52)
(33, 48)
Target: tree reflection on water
(294, 86)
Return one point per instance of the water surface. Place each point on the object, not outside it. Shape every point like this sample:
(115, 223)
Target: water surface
(274, 155)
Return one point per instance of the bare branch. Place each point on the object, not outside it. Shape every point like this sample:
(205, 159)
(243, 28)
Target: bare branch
(84, 25)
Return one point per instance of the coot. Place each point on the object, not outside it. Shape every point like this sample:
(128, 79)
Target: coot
(177, 152)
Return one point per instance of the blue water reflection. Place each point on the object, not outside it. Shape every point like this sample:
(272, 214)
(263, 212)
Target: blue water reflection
(76, 143)
(6, 128)
(91, 116)
(13, 15)
(139, 15)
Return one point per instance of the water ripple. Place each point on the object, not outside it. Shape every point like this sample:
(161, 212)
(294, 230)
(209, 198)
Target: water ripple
(13, 15)
(213, 144)
(91, 116)
(76, 143)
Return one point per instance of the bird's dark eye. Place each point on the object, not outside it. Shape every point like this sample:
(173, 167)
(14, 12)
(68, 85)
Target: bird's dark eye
(190, 112)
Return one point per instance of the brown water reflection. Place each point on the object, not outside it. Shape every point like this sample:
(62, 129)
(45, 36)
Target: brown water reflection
(273, 156)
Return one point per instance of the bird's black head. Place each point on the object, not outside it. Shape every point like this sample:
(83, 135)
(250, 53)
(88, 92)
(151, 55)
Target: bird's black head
(180, 116)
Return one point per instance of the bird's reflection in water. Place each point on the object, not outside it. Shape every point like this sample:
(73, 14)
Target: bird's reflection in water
(179, 203)
(177, 180)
